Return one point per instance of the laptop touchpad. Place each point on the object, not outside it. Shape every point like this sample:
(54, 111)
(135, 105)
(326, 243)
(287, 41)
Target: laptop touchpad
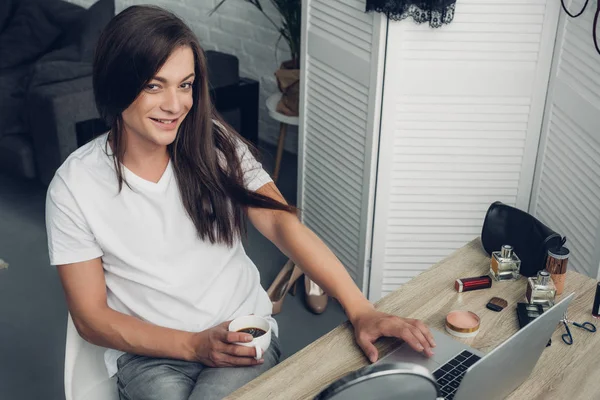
(405, 353)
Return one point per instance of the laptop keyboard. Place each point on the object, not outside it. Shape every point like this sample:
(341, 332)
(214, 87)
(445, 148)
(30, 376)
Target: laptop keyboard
(449, 375)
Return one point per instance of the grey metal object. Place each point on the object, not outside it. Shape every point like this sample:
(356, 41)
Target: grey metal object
(388, 381)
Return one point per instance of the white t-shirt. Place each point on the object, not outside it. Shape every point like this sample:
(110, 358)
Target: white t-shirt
(156, 266)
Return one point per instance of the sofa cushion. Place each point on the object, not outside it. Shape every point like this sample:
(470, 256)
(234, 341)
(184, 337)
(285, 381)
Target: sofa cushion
(62, 13)
(52, 71)
(73, 59)
(79, 40)
(95, 19)
(27, 35)
(5, 12)
(67, 16)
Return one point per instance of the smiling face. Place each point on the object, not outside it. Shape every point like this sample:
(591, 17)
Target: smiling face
(153, 119)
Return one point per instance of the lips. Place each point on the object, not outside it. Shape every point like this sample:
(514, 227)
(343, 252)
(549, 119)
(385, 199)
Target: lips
(166, 124)
(164, 121)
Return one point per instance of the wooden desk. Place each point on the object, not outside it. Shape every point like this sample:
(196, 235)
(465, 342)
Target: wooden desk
(563, 372)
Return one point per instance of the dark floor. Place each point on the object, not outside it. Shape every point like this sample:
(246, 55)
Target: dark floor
(32, 307)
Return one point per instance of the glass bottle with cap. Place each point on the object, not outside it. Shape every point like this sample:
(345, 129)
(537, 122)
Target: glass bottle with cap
(541, 290)
(505, 265)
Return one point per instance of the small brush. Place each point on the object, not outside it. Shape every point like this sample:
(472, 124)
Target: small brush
(497, 304)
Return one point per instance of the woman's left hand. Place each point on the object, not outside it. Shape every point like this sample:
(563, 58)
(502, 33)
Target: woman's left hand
(371, 325)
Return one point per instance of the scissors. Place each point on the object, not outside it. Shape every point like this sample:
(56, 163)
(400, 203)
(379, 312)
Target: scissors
(567, 337)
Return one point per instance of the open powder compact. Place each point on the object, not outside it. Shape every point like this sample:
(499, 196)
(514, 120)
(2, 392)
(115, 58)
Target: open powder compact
(462, 324)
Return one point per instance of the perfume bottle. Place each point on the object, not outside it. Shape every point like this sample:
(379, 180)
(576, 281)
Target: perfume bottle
(541, 289)
(505, 265)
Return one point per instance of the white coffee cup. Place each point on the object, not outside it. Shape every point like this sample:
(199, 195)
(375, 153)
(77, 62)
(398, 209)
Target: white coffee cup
(261, 343)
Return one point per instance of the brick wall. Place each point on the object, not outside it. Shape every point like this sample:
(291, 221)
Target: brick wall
(238, 28)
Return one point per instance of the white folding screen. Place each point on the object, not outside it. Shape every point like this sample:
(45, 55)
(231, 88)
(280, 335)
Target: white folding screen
(461, 116)
(340, 98)
(566, 193)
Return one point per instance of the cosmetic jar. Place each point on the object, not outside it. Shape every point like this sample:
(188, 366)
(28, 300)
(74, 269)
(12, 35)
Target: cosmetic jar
(462, 324)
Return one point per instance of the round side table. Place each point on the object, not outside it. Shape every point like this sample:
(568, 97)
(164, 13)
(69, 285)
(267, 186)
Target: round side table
(284, 121)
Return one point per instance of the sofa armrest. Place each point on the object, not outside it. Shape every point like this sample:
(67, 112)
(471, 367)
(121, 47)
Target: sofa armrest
(53, 111)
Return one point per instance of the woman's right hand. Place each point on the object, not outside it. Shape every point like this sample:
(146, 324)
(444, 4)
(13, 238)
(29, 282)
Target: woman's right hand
(215, 347)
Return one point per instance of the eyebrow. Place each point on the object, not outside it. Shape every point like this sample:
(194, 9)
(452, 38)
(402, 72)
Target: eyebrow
(163, 80)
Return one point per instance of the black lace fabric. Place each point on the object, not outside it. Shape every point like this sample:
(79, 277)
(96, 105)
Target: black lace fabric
(435, 12)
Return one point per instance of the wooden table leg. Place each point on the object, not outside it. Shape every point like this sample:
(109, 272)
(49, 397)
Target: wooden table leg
(282, 132)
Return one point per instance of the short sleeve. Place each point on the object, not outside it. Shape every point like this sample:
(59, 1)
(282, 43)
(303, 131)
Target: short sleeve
(70, 239)
(254, 175)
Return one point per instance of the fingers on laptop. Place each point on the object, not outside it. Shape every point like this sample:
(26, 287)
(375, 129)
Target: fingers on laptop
(423, 342)
(424, 330)
(412, 335)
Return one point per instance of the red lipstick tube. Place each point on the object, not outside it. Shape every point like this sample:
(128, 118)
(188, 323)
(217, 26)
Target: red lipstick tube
(475, 283)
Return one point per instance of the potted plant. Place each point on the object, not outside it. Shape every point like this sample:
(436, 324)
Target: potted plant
(289, 28)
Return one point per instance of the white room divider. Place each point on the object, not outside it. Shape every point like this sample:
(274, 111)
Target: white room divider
(342, 50)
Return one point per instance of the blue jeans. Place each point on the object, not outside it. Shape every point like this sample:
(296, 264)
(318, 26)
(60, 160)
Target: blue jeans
(148, 378)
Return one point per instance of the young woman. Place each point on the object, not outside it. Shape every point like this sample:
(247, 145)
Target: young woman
(144, 224)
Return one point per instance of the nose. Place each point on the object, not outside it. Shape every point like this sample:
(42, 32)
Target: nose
(171, 102)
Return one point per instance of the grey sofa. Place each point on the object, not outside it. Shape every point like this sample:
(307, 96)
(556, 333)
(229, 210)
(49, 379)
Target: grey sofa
(45, 45)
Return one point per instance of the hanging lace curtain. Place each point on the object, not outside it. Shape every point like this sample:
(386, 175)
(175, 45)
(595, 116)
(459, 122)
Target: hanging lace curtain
(435, 12)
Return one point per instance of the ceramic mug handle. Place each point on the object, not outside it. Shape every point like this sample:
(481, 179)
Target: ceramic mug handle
(258, 352)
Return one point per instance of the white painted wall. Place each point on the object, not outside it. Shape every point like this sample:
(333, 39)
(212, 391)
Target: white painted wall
(238, 28)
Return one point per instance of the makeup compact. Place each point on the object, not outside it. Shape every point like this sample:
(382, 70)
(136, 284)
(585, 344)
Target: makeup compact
(497, 304)
(528, 312)
(462, 324)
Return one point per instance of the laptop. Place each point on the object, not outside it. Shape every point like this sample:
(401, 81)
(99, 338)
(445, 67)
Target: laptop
(464, 373)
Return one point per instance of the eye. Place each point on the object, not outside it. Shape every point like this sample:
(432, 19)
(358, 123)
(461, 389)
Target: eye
(187, 85)
(152, 87)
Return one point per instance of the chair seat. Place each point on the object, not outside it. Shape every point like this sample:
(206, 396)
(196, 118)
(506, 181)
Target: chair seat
(105, 390)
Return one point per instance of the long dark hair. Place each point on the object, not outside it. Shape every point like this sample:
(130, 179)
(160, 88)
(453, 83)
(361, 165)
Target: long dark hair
(131, 50)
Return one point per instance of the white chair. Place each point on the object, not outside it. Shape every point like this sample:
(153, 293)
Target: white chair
(86, 377)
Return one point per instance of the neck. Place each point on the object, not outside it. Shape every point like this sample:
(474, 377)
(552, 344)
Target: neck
(144, 158)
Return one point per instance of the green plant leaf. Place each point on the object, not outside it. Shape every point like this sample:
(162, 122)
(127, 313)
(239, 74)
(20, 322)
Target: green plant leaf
(214, 10)
(290, 25)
